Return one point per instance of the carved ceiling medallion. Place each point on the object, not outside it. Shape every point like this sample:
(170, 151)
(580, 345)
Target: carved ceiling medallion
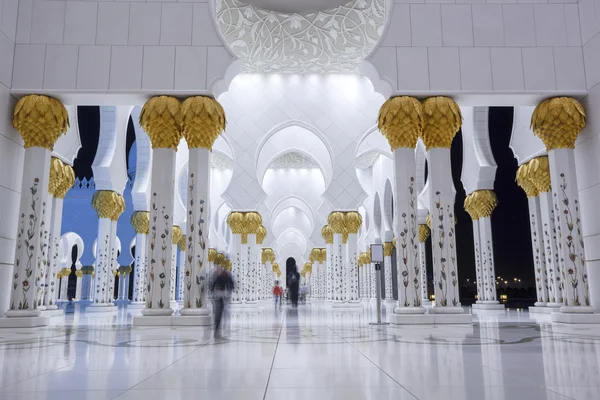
(329, 41)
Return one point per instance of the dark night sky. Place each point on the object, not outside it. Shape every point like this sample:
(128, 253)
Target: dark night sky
(512, 242)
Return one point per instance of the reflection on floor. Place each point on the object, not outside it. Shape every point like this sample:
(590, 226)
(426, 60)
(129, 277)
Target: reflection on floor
(308, 353)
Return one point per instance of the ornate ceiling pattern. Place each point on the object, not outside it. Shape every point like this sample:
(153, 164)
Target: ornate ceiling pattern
(335, 40)
(293, 159)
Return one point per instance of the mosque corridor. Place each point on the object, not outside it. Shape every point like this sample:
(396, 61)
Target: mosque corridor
(305, 353)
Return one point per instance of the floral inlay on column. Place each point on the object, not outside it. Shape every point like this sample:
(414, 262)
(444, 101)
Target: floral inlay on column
(480, 205)
(40, 120)
(140, 220)
(539, 241)
(203, 120)
(423, 236)
(337, 224)
(401, 122)
(327, 233)
(160, 118)
(442, 120)
(352, 222)
(558, 122)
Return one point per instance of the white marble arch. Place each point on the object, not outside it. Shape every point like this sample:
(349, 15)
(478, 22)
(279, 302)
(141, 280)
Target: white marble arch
(295, 202)
(109, 166)
(67, 146)
(478, 166)
(140, 193)
(292, 235)
(295, 217)
(66, 244)
(524, 144)
(299, 137)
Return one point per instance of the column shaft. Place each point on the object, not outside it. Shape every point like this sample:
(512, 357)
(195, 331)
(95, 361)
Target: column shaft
(423, 267)
(236, 265)
(30, 248)
(553, 261)
(478, 261)
(102, 269)
(487, 251)
(539, 257)
(441, 206)
(53, 254)
(141, 262)
(337, 275)
(158, 277)
(352, 267)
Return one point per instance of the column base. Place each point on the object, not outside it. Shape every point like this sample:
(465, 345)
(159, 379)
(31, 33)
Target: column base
(447, 310)
(157, 312)
(24, 322)
(390, 302)
(554, 305)
(22, 313)
(173, 305)
(346, 306)
(138, 305)
(93, 308)
(577, 309)
(409, 310)
(194, 312)
(540, 310)
(572, 318)
(52, 313)
(540, 304)
(488, 306)
(431, 319)
(156, 320)
(192, 320)
(122, 303)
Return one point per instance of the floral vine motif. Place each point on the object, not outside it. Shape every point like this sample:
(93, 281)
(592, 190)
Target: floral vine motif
(478, 271)
(151, 272)
(537, 259)
(489, 276)
(404, 248)
(442, 282)
(414, 244)
(586, 297)
(42, 261)
(200, 258)
(27, 237)
(327, 41)
(549, 264)
(559, 275)
(166, 242)
(452, 242)
(570, 221)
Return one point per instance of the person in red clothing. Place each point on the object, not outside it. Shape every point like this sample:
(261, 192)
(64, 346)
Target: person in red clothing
(277, 294)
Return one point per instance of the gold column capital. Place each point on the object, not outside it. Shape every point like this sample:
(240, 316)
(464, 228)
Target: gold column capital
(336, 221)
(443, 119)
(482, 203)
(219, 258)
(181, 244)
(352, 222)
(140, 220)
(539, 174)
(388, 249)
(428, 220)
(203, 120)
(558, 121)
(261, 234)
(327, 233)
(160, 118)
(212, 253)
(177, 234)
(235, 220)
(40, 120)
(424, 232)
(67, 182)
(108, 204)
(401, 121)
(252, 222)
(57, 173)
(523, 179)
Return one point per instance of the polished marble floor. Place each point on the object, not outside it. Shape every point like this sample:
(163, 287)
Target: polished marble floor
(309, 353)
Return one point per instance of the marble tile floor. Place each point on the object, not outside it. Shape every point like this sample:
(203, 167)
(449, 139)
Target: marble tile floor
(309, 353)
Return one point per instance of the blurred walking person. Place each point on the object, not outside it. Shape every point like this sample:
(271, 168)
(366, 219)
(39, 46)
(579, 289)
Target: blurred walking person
(277, 294)
(293, 284)
(222, 288)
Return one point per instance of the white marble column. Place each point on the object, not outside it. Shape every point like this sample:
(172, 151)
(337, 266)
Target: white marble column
(235, 220)
(160, 118)
(177, 234)
(140, 220)
(79, 275)
(336, 222)
(39, 135)
(181, 245)
(442, 122)
(353, 222)
(480, 204)
(388, 250)
(86, 283)
(558, 122)
(252, 269)
(66, 182)
(108, 205)
(423, 235)
(114, 248)
(327, 234)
